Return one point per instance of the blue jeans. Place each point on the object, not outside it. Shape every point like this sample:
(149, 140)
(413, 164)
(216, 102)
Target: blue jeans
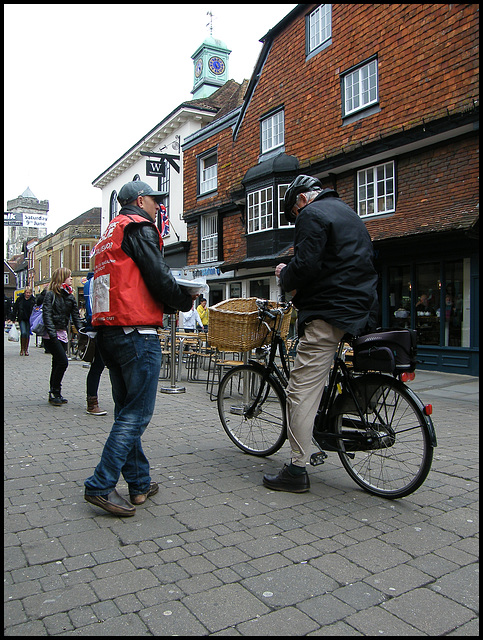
(134, 362)
(24, 328)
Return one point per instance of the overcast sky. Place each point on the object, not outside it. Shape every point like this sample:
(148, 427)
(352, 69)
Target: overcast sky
(84, 82)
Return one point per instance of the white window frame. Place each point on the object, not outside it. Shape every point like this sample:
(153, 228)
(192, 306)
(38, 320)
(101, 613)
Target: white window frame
(208, 174)
(260, 210)
(50, 266)
(361, 87)
(84, 257)
(209, 238)
(319, 27)
(282, 222)
(376, 190)
(272, 131)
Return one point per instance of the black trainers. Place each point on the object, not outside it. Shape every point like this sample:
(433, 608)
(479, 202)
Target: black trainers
(113, 503)
(55, 399)
(286, 481)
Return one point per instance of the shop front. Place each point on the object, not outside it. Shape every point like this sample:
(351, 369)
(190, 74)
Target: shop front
(434, 291)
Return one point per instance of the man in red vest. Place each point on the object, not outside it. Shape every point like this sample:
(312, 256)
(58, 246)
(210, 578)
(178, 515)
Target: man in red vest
(133, 286)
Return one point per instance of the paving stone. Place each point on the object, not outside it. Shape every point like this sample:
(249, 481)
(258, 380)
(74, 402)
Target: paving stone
(289, 585)
(461, 585)
(224, 607)
(285, 622)
(429, 612)
(174, 619)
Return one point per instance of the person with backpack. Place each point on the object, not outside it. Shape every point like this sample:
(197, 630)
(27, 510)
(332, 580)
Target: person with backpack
(97, 364)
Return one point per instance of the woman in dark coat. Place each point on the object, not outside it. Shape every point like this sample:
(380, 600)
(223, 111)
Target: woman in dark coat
(22, 310)
(58, 308)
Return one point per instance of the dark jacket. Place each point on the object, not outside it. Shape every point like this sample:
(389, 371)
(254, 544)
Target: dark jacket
(22, 308)
(57, 310)
(141, 244)
(332, 268)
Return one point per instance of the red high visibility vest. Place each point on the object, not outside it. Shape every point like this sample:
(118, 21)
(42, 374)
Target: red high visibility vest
(121, 297)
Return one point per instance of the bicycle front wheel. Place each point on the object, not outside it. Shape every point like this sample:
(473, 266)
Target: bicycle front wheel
(252, 411)
(397, 456)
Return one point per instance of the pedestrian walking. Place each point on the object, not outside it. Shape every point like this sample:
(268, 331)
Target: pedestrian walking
(59, 307)
(97, 365)
(22, 310)
(132, 287)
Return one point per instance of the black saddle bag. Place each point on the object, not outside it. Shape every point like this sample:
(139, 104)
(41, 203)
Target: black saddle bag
(387, 350)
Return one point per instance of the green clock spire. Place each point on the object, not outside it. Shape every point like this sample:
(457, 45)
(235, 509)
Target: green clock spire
(210, 65)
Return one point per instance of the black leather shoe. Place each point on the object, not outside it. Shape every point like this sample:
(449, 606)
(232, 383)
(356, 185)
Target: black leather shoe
(141, 498)
(113, 503)
(286, 481)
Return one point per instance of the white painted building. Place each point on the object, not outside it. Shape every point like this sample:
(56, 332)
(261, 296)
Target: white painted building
(211, 92)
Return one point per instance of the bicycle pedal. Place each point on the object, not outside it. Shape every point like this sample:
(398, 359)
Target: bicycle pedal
(318, 458)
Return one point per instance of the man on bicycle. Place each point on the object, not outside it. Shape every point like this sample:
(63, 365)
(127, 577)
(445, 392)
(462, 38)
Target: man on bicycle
(333, 282)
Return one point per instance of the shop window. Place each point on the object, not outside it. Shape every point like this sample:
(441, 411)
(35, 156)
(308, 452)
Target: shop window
(456, 300)
(428, 291)
(260, 288)
(400, 297)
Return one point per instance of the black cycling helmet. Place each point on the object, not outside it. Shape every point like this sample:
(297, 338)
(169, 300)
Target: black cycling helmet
(301, 184)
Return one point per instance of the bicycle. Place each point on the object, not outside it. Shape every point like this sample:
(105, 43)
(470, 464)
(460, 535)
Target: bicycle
(380, 429)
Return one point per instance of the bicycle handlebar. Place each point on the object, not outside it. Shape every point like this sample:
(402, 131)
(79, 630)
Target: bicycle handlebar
(271, 313)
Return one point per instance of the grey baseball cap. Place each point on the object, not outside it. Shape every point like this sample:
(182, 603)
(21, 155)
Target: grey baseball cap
(131, 190)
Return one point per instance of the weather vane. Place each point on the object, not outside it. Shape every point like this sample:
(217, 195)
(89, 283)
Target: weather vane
(210, 23)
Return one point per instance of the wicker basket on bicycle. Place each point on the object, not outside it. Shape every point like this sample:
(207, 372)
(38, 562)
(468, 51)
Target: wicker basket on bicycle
(234, 325)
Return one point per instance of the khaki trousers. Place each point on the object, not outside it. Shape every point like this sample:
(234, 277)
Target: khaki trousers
(315, 355)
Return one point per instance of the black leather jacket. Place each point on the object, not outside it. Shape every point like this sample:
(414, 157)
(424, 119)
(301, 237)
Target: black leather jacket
(141, 244)
(57, 310)
(332, 268)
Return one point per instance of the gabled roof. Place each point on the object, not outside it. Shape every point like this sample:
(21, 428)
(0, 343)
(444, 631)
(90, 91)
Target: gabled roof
(91, 217)
(223, 100)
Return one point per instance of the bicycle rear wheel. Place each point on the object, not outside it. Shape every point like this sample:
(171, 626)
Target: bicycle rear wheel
(397, 460)
(259, 429)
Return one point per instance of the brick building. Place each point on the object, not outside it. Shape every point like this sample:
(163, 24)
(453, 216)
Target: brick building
(379, 101)
(70, 246)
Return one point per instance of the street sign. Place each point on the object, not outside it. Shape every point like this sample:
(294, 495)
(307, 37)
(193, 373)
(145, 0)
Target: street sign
(16, 219)
(155, 168)
(12, 219)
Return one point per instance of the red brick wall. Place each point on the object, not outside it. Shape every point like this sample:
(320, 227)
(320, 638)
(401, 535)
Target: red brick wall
(436, 188)
(428, 63)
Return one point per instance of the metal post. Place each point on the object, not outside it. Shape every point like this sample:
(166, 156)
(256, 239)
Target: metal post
(173, 388)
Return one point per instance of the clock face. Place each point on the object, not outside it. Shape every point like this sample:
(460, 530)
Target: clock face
(198, 67)
(216, 65)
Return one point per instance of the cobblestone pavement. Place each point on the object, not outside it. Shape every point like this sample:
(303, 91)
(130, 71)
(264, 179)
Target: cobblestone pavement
(216, 553)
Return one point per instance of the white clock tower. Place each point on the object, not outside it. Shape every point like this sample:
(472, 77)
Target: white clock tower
(210, 67)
